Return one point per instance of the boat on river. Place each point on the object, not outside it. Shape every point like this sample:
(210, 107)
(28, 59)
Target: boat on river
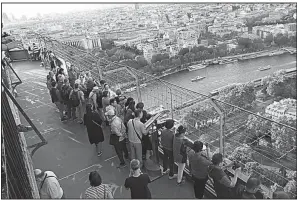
(197, 67)
(264, 68)
(198, 78)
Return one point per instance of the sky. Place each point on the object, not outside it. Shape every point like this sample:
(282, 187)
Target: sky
(31, 10)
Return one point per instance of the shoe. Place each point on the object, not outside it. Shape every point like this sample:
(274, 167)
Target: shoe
(181, 183)
(63, 119)
(99, 154)
(172, 177)
(122, 165)
(166, 171)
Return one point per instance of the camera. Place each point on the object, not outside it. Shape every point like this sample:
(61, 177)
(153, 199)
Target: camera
(236, 165)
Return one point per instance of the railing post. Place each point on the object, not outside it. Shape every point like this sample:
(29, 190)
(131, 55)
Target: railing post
(222, 125)
(137, 84)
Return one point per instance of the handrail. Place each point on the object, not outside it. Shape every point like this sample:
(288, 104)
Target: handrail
(43, 141)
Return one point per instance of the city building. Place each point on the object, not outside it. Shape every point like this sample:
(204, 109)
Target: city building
(283, 108)
(290, 27)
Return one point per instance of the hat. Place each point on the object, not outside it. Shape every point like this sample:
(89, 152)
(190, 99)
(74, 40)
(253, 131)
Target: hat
(134, 164)
(122, 98)
(37, 172)
(96, 88)
(110, 112)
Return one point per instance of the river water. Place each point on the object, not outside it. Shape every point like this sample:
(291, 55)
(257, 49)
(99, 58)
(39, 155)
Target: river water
(240, 72)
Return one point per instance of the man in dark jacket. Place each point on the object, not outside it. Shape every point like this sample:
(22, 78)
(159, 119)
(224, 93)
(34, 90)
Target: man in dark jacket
(199, 164)
(66, 90)
(56, 99)
(251, 190)
(167, 136)
(222, 183)
(147, 146)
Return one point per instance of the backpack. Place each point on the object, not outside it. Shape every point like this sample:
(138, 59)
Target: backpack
(74, 98)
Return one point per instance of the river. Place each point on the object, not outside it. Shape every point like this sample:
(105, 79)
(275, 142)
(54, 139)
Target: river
(240, 72)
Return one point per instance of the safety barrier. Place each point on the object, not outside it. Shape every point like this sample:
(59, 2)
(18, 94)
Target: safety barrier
(264, 147)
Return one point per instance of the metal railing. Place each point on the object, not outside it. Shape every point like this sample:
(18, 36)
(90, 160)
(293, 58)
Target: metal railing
(253, 140)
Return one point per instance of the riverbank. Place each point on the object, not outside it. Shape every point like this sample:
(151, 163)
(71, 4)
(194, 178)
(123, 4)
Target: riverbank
(240, 57)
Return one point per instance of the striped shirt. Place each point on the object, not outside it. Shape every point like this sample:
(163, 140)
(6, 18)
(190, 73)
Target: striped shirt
(98, 192)
(35, 48)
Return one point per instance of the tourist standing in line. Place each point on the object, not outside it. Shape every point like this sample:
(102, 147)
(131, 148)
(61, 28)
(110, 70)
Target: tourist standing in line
(147, 145)
(136, 129)
(50, 78)
(118, 136)
(97, 189)
(57, 99)
(167, 146)
(105, 103)
(48, 185)
(222, 183)
(93, 123)
(180, 152)
(138, 182)
(130, 112)
(198, 164)
(71, 75)
(121, 108)
(78, 102)
(90, 85)
(66, 90)
(93, 98)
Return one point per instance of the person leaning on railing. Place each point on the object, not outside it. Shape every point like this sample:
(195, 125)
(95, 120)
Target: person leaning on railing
(199, 161)
(221, 181)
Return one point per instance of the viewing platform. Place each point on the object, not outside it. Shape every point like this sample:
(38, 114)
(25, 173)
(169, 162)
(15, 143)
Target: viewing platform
(68, 152)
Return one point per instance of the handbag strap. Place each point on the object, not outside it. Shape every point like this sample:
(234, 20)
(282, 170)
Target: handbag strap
(44, 180)
(135, 130)
(96, 123)
(104, 192)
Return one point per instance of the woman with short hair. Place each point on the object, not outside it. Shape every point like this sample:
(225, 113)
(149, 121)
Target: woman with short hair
(97, 189)
(138, 182)
(93, 122)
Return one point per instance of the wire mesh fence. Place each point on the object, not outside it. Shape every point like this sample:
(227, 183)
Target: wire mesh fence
(264, 147)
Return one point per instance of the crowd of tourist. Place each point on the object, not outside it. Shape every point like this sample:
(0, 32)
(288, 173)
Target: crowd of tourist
(93, 104)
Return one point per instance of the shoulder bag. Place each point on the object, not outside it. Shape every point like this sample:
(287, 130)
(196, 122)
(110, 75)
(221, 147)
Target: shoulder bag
(137, 133)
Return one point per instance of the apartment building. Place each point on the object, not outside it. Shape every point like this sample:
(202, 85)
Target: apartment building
(284, 108)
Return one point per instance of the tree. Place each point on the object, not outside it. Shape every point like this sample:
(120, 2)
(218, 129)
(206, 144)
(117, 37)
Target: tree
(284, 139)
(268, 39)
(114, 58)
(183, 51)
(141, 61)
(258, 127)
(245, 42)
(281, 39)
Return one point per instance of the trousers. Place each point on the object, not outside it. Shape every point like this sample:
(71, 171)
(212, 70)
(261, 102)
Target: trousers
(136, 151)
(199, 186)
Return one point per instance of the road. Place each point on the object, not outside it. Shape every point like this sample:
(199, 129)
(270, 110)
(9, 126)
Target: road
(68, 152)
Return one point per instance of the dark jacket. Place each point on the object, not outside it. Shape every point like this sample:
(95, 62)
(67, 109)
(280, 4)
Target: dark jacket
(55, 95)
(222, 191)
(167, 139)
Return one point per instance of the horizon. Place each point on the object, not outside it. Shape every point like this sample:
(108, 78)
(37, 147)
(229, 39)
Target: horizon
(32, 10)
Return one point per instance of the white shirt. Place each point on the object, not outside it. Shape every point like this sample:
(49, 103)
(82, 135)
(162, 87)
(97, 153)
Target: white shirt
(51, 188)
